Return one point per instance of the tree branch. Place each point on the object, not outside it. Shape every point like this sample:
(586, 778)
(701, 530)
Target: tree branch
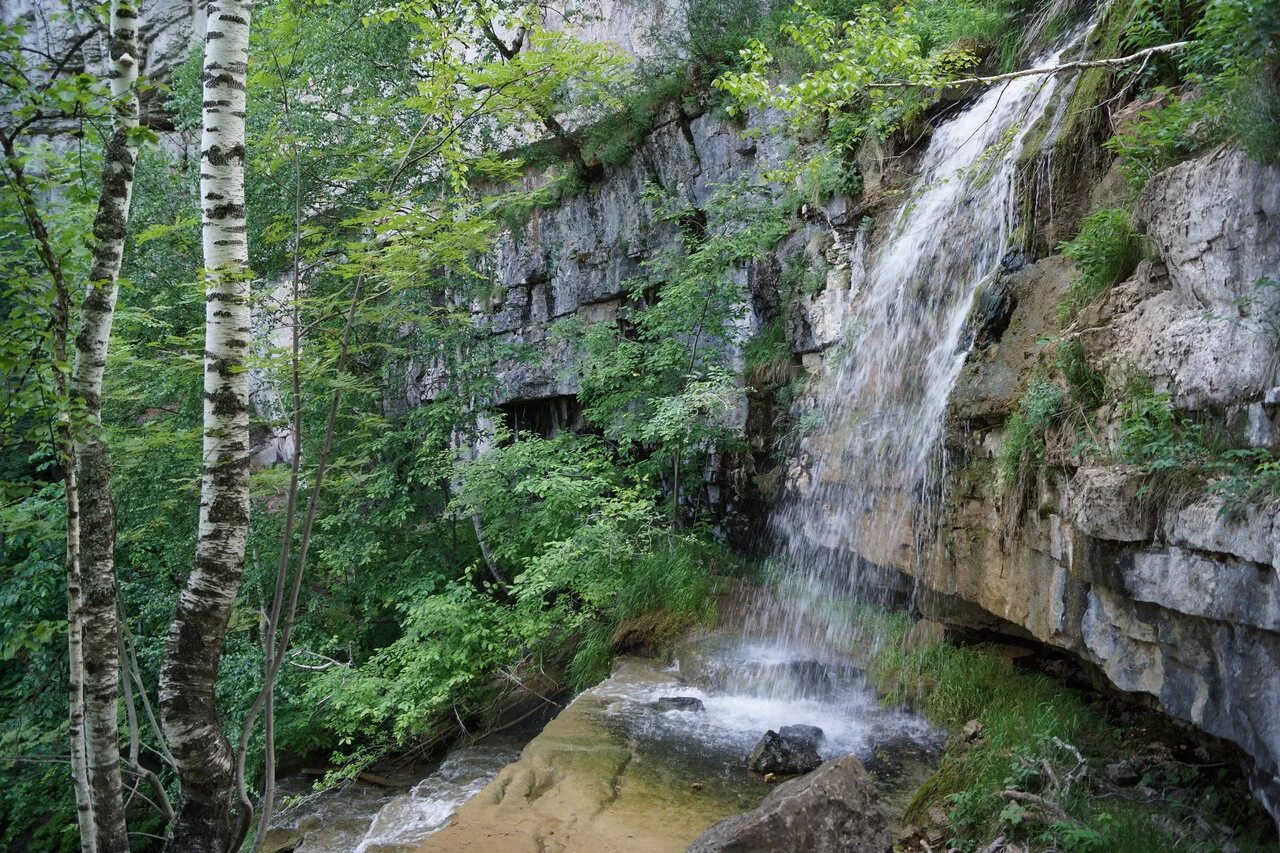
(1045, 69)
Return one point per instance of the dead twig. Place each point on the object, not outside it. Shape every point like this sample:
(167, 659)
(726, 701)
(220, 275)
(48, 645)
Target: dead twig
(1051, 810)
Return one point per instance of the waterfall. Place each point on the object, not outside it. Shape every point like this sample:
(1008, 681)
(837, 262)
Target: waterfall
(866, 478)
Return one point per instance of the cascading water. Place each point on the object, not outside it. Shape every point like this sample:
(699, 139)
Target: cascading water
(867, 475)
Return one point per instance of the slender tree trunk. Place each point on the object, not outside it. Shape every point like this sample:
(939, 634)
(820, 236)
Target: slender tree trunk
(188, 677)
(64, 448)
(100, 624)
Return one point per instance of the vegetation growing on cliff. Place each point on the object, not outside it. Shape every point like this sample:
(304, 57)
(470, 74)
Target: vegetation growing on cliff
(1223, 88)
(1034, 761)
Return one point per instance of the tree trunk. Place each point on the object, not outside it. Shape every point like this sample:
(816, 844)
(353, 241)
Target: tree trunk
(65, 451)
(189, 674)
(100, 623)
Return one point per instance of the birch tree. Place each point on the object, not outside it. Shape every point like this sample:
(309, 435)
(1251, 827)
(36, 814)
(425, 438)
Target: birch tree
(188, 676)
(93, 632)
(98, 609)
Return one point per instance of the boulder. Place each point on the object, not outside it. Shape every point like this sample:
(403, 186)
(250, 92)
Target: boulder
(678, 703)
(805, 678)
(776, 753)
(832, 810)
(924, 633)
(800, 733)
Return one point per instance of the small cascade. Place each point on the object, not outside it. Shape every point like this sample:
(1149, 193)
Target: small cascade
(389, 817)
(866, 477)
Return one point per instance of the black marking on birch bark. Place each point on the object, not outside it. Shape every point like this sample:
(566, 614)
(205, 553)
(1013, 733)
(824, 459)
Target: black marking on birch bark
(217, 156)
(224, 210)
(223, 80)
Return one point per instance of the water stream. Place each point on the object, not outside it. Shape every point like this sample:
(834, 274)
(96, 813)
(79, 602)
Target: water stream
(360, 817)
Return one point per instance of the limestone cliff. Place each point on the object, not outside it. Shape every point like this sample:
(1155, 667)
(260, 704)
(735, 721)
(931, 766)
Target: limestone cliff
(1165, 593)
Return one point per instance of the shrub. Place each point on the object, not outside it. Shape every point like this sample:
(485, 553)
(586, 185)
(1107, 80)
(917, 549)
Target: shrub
(1230, 76)
(1105, 251)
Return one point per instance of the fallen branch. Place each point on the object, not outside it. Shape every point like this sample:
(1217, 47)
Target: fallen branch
(1051, 810)
(1078, 65)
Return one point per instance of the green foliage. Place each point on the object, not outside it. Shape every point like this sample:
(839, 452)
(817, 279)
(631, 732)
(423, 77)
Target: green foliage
(585, 549)
(612, 140)
(845, 66)
(1252, 480)
(1105, 251)
(826, 174)
(1038, 410)
(767, 355)
(1229, 89)
(1153, 435)
(659, 383)
(1085, 385)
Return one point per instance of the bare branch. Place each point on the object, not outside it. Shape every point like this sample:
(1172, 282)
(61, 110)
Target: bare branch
(1079, 65)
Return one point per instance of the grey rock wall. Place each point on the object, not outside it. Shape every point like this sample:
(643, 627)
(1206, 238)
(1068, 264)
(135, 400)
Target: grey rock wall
(580, 257)
(167, 29)
(1164, 592)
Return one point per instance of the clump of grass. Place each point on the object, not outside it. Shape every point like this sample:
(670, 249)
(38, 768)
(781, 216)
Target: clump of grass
(1106, 250)
(768, 357)
(612, 140)
(1037, 411)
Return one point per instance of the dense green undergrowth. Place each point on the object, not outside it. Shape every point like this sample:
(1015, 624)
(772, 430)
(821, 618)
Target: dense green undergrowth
(1035, 736)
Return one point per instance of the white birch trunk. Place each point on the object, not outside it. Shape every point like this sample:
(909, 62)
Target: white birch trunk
(75, 660)
(99, 622)
(189, 674)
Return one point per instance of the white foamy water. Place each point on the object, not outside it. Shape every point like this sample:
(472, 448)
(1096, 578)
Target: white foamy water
(362, 818)
(873, 465)
(407, 820)
(747, 689)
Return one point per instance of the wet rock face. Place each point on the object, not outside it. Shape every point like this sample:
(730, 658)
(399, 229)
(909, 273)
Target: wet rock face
(786, 754)
(832, 810)
(1163, 591)
(678, 703)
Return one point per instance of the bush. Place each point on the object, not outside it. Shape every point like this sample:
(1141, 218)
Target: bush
(1230, 92)
(1105, 251)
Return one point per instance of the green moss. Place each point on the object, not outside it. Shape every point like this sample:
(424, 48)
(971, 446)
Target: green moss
(1083, 119)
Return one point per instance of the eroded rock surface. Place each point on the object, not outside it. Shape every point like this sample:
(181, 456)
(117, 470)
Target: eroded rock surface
(586, 783)
(831, 810)
(1163, 590)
